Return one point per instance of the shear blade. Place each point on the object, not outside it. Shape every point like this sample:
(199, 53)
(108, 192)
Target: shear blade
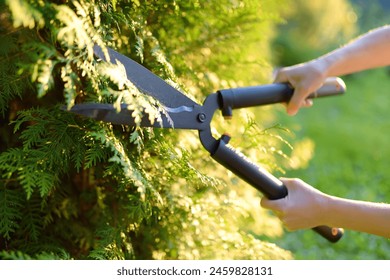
(183, 118)
(108, 113)
(146, 81)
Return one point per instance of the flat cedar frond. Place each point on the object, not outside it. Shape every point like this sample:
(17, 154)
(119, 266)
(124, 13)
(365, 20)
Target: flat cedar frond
(18, 255)
(14, 255)
(11, 207)
(12, 82)
(119, 156)
(113, 244)
(26, 14)
(31, 225)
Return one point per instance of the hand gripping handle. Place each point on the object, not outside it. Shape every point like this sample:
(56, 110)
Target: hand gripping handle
(262, 180)
(244, 97)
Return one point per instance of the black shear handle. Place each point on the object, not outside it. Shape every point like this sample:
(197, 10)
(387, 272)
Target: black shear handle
(262, 180)
(244, 97)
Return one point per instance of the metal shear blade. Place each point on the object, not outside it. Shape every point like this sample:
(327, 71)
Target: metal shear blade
(148, 82)
(183, 117)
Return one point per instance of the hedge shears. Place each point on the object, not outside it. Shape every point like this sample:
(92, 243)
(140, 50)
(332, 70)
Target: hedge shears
(181, 112)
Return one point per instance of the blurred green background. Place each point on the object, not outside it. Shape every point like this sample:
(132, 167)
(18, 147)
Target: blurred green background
(349, 134)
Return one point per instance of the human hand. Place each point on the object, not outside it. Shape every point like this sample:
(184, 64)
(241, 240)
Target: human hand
(305, 78)
(304, 207)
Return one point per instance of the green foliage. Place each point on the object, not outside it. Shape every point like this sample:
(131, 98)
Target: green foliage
(11, 211)
(371, 14)
(42, 256)
(72, 187)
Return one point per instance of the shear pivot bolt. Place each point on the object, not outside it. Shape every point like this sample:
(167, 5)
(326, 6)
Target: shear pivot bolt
(225, 138)
(202, 117)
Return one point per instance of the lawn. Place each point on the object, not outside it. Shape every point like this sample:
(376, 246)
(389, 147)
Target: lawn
(351, 159)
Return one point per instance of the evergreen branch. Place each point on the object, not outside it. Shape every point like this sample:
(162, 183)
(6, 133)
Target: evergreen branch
(25, 14)
(18, 255)
(112, 244)
(11, 206)
(14, 255)
(120, 157)
(32, 224)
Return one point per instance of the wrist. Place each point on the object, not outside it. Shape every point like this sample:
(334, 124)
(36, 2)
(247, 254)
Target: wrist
(325, 209)
(318, 69)
(328, 210)
(326, 65)
(334, 63)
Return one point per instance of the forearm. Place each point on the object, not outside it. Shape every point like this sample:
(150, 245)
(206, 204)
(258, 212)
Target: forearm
(373, 218)
(307, 207)
(366, 52)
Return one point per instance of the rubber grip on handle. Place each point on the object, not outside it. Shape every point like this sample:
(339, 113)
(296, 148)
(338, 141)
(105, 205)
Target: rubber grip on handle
(244, 97)
(254, 175)
(263, 181)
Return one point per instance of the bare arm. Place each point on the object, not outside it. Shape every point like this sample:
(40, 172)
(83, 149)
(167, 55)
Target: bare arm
(368, 51)
(361, 216)
(305, 207)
